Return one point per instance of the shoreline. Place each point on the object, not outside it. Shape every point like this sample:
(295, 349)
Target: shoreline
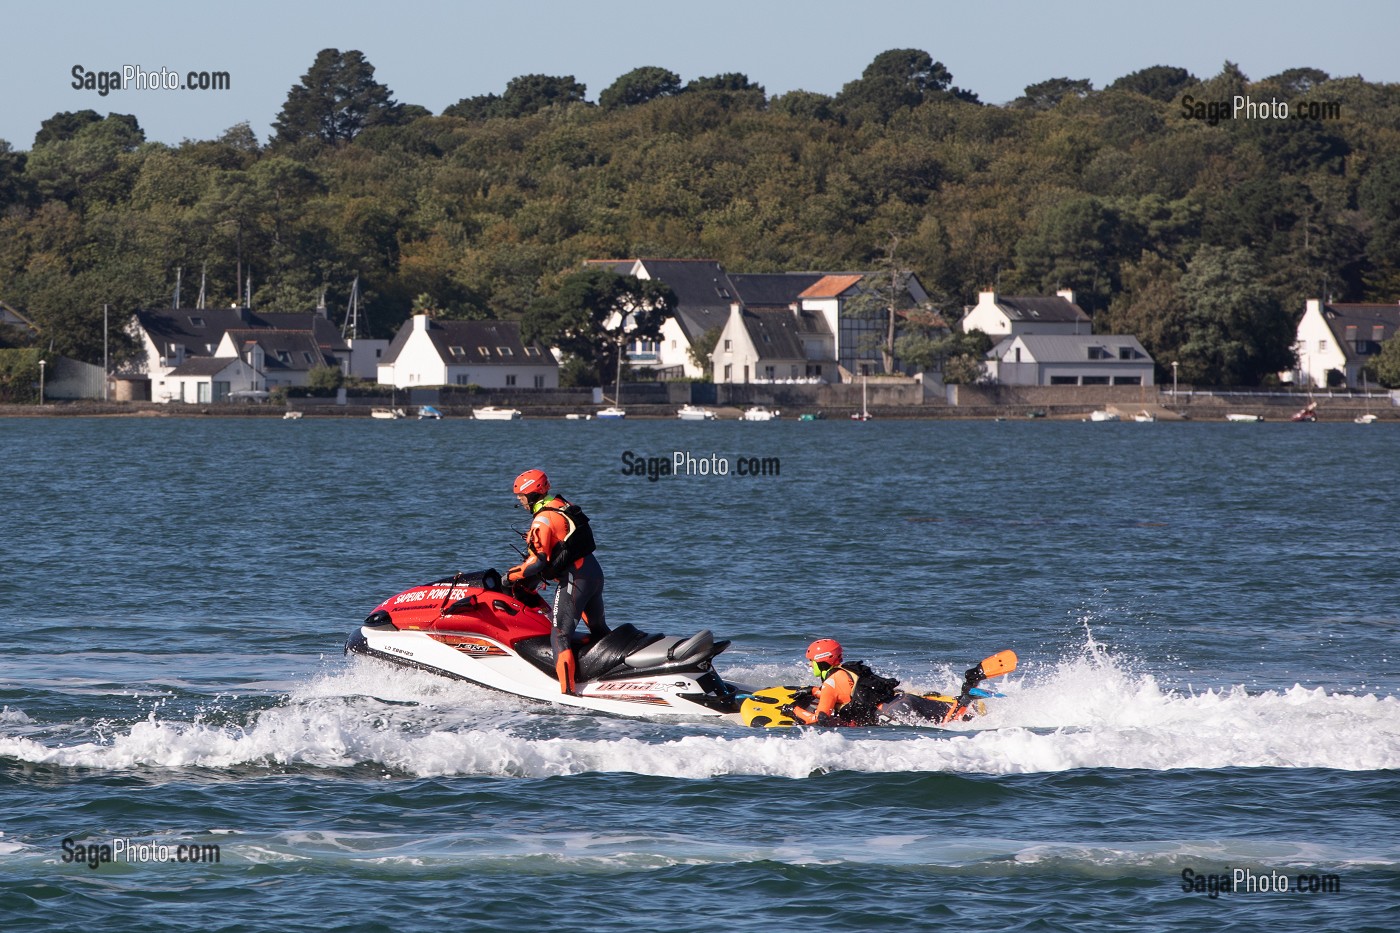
(1196, 411)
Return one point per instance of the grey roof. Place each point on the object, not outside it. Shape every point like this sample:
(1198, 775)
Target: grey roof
(203, 366)
(474, 343)
(284, 350)
(10, 315)
(1051, 309)
(199, 330)
(1366, 318)
(777, 334)
(772, 289)
(703, 291)
(1072, 348)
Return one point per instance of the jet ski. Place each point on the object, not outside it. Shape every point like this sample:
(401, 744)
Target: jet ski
(473, 627)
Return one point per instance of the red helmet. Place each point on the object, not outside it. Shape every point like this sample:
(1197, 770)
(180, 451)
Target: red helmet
(531, 483)
(825, 651)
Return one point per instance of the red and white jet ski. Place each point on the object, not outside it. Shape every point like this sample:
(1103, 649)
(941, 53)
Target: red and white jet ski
(472, 627)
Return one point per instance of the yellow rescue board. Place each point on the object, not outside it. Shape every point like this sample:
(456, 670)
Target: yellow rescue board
(761, 708)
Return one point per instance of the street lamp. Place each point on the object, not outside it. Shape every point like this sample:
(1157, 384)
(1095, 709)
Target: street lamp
(1173, 382)
(41, 382)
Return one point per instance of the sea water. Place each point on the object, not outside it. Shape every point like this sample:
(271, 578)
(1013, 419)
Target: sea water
(1204, 729)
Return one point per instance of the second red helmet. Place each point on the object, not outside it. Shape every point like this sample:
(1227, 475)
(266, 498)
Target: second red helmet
(531, 483)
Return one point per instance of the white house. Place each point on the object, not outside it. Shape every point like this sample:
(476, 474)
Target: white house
(490, 354)
(208, 379)
(1334, 341)
(1007, 315)
(858, 337)
(789, 345)
(292, 345)
(1068, 360)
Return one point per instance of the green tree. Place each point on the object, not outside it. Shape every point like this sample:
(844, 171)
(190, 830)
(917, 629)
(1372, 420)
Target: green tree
(336, 99)
(1047, 95)
(1385, 366)
(1236, 332)
(1160, 82)
(64, 125)
(594, 312)
(639, 86)
(895, 80)
(702, 350)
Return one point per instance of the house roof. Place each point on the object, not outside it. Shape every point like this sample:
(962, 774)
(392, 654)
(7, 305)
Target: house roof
(204, 366)
(200, 330)
(1373, 323)
(832, 286)
(474, 343)
(703, 292)
(773, 289)
(1073, 348)
(777, 334)
(1052, 309)
(284, 350)
(620, 266)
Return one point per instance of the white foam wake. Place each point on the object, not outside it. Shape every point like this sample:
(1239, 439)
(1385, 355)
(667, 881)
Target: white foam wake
(1087, 712)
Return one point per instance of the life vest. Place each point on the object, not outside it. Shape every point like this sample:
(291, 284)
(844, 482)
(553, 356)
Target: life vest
(577, 542)
(869, 691)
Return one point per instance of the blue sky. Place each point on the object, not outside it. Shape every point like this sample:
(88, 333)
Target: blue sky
(433, 53)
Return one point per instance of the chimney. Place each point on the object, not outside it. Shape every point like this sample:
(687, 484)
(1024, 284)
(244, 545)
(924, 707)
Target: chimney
(420, 322)
(1067, 294)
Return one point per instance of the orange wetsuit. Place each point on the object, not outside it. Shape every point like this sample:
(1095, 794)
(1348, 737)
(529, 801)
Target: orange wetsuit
(834, 693)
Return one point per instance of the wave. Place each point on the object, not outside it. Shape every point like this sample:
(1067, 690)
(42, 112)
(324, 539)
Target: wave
(1084, 712)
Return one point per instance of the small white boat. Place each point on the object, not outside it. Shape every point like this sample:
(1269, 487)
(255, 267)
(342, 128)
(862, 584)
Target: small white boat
(492, 413)
(1243, 419)
(428, 413)
(695, 413)
(292, 416)
(1145, 417)
(759, 413)
(1104, 416)
(612, 413)
(574, 416)
(1367, 418)
(387, 414)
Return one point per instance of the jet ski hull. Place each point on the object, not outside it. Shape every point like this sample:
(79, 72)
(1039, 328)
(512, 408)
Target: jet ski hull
(471, 628)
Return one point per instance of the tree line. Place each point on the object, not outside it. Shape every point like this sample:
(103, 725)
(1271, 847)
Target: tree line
(1201, 235)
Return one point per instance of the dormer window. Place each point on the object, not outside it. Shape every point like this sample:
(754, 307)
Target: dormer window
(283, 356)
(505, 351)
(457, 351)
(484, 351)
(307, 355)
(196, 321)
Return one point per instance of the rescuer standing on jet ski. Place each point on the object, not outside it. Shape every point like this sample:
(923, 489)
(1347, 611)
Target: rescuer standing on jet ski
(559, 547)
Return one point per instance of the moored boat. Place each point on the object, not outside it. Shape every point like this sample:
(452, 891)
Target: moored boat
(695, 413)
(492, 413)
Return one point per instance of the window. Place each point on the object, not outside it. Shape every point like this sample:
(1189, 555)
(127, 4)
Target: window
(307, 355)
(794, 370)
(728, 372)
(539, 382)
(462, 380)
(1018, 354)
(1322, 346)
(1094, 381)
(484, 351)
(728, 345)
(1127, 353)
(1098, 353)
(505, 351)
(532, 351)
(768, 372)
(196, 321)
(1127, 380)
(510, 380)
(283, 356)
(457, 351)
(1064, 380)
